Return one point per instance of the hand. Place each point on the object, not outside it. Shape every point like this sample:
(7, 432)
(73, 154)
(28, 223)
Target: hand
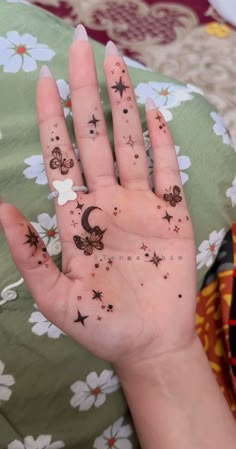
(119, 309)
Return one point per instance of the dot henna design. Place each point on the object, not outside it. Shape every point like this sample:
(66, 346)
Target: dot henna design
(173, 197)
(58, 162)
(94, 239)
(120, 87)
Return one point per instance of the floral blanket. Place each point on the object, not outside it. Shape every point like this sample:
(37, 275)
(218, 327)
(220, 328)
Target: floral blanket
(53, 393)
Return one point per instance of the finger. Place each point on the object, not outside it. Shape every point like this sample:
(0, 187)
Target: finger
(127, 130)
(58, 153)
(31, 258)
(89, 121)
(165, 166)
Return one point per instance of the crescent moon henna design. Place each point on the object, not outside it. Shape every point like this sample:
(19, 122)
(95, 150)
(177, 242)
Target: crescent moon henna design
(94, 240)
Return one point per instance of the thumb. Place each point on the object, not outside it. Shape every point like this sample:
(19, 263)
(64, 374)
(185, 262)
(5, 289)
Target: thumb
(30, 255)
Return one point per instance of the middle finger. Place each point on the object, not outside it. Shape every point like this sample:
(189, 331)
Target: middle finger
(89, 122)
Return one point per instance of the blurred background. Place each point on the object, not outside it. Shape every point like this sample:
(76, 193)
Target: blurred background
(191, 40)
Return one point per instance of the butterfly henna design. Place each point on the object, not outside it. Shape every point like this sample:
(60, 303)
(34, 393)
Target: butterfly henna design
(94, 239)
(59, 162)
(174, 197)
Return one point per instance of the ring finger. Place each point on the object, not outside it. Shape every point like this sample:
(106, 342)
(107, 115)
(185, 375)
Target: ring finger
(61, 165)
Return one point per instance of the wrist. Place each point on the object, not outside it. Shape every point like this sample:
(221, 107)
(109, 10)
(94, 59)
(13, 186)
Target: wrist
(155, 367)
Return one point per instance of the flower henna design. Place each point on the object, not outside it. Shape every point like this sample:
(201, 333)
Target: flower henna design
(174, 197)
(120, 87)
(94, 240)
(58, 162)
(32, 238)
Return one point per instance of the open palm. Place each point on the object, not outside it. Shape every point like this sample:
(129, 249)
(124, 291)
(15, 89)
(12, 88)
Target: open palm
(128, 281)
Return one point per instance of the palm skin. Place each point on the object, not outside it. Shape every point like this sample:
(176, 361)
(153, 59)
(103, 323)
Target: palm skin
(148, 315)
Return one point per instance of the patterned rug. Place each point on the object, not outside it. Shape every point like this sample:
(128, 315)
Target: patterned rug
(183, 39)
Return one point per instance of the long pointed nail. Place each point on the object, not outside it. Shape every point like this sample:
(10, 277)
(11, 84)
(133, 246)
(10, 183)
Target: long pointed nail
(111, 49)
(149, 104)
(45, 72)
(80, 33)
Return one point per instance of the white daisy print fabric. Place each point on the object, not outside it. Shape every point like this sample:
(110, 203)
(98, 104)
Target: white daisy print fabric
(36, 169)
(42, 442)
(6, 381)
(64, 92)
(231, 192)
(22, 51)
(209, 248)
(42, 326)
(46, 226)
(220, 128)
(165, 95)
(115, 437)
(94, 390)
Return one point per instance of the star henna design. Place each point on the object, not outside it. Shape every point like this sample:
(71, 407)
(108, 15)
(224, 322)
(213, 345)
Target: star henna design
(110, 261)
(120, 87)
(79, 206)
(158, 117)
(144, 247)
(155, 260)
(130, 142)
(99, 318)
(33, 239)
(94, 121)
(176, 229)
(81, 318)
(167, 217)
(97, 295)
(74, 223)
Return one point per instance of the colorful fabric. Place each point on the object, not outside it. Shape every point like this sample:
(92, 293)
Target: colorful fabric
(216, 317)
(170, 37)
(54, 393)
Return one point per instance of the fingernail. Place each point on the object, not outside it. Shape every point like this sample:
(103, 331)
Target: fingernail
(111, 49)
(149, 104)
(80, 33)
(45, 72)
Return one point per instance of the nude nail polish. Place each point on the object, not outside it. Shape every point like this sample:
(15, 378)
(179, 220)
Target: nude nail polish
(111, 49)
(80, 33)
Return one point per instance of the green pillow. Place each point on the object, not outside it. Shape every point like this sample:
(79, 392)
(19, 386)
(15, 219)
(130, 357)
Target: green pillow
(53, 393)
